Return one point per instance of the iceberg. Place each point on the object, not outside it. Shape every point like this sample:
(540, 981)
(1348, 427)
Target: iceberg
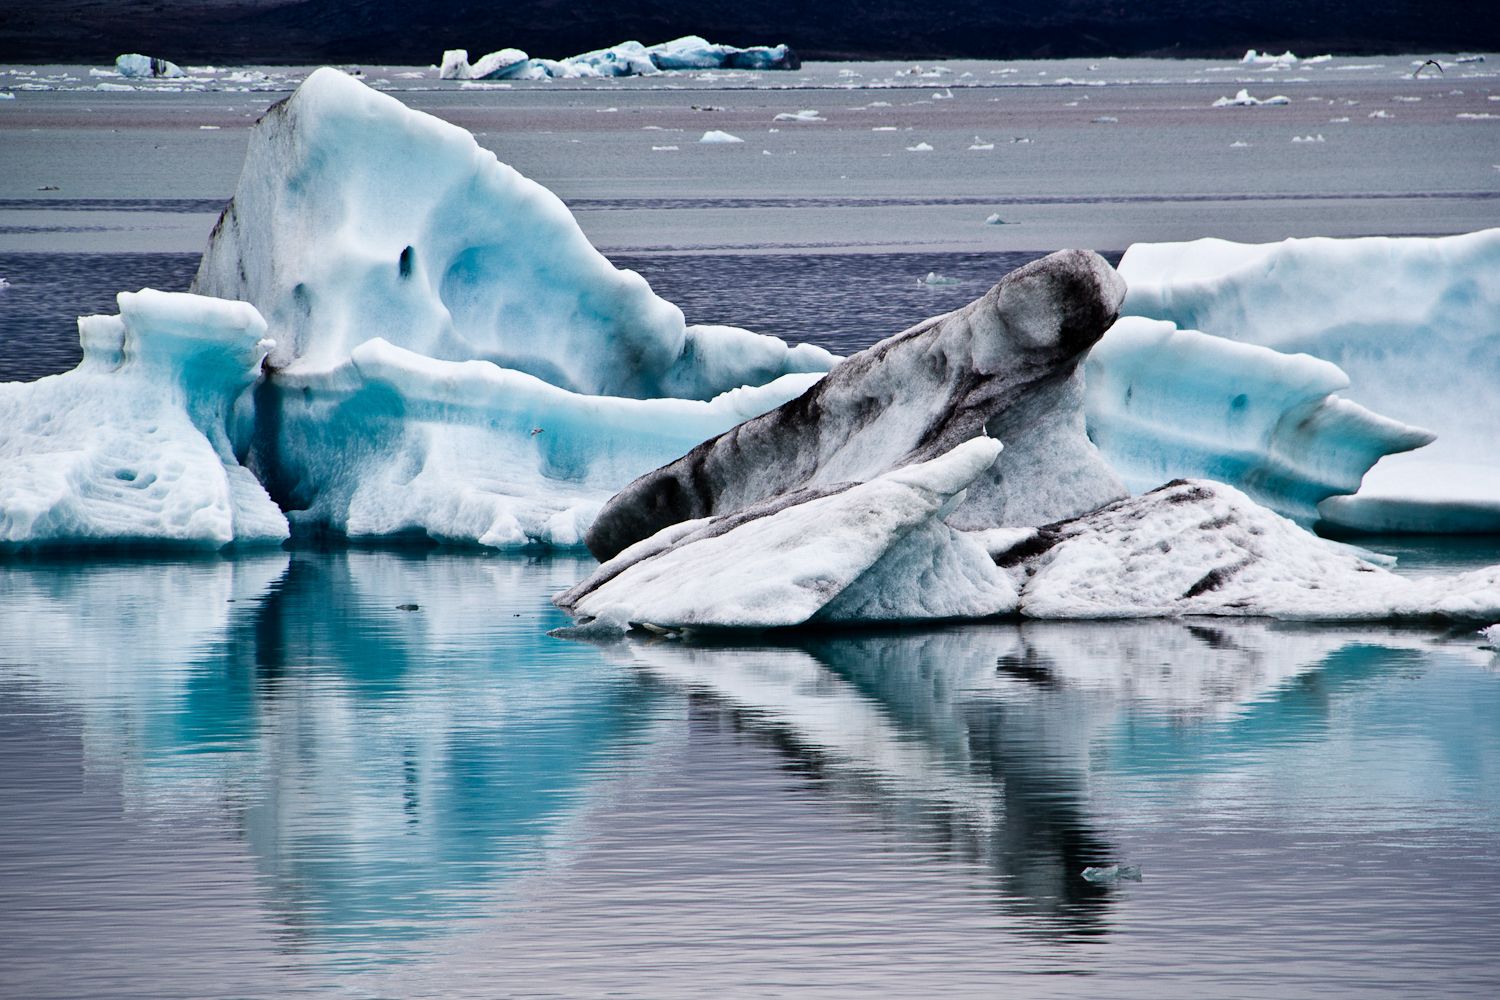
(625, 59)
(861, 552)
(1164, 403)
(134, 445)
(1414, 323)
(136, 66)
(1254, 58)
(1008, 364)
(394, 259)
(1244, 100)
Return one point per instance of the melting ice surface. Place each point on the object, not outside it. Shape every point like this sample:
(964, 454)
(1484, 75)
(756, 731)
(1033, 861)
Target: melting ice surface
(261, 775)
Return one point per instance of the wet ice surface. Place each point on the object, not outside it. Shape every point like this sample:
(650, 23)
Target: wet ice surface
(231, 777)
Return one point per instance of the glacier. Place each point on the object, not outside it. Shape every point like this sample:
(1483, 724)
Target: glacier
(134, 445)
(624, 59)
(1007, 364)
(1413, 321)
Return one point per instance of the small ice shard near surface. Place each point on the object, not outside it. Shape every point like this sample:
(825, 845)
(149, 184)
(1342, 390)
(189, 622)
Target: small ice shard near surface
(920, 147)
(119, 88)
(1414, 322)
(713, 136)
(1244, 100)
(1108, 874)
(805, 115)
(138, 67)
(1308, 138)
(980, 144)
(1164, 403)
(134, 445)
(1008, 364)
(933, 278)
(993, 219)
(1195, 547)
(1239, 144)
(1106, 120)
(845, 552)
(1382, 113)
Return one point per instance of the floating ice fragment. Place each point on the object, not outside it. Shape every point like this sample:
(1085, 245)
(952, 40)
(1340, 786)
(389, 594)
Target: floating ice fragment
(1381, 114)
(664, 149)
(1339, 121)
(714, 136)
(981, 145)
(920, 147)
(1244, 100)
(6, 95)
(885, 128)
(1112, 873)
(994, 220)
(805, 115)
(208, 128)
(137, 66)
(1239, 144)
(1491, 635)
(1472, 116)
(946, 95)
(1308, 138)
(114, 87)
(1254, 58)
(1105, 120)
(933, 278)
(1469, 59)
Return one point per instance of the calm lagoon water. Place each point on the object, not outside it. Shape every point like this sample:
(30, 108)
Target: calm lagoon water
(264, 775)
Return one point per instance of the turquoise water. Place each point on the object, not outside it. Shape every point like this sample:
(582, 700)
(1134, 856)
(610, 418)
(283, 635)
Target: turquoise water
(264, 775)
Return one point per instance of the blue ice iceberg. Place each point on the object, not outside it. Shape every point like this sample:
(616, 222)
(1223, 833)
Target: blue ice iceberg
(1414, 322)
(138, 67)
(133, 446)
(625, 59)
(395, 260)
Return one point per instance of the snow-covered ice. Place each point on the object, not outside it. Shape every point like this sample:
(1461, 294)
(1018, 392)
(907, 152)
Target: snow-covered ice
(1413, 321)
(717, 137)
(134, 445)
(1007, 364)
(624, 59)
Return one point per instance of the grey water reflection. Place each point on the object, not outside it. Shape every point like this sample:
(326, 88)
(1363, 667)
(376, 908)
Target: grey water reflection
(293, 765)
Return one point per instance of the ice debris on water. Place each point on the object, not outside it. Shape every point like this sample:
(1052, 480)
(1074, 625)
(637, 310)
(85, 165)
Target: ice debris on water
(625, 59)
(714, 136)
(933, 278)
(1105, 874)
(1309, 138)
(136, 66)
(920, 147)
(994, 220)
(805, 115)
(1244, 100)
(1491, 635)
(981, 145)
(1254, 58)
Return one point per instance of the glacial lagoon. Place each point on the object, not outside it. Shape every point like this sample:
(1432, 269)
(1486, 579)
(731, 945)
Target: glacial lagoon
(372, 772)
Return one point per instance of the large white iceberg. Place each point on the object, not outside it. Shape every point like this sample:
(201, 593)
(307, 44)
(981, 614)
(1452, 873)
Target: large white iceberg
(133, 445)
(1414, 322)
(380, 242)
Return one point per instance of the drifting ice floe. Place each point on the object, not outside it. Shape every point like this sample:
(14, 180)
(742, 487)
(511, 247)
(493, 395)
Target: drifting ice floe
(624, 59)
(135, 66)
(360, 222)
(1412, 321)
(1007, 364)
(1254, 58)
(714, 136)
(1244, 100)
(133, 445)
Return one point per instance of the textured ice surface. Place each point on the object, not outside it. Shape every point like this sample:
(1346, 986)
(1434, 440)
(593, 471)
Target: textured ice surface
(1244, 100)
(1195, 547)
(1414, 322)
(392, 443)
(872, 551)
(386, 249)
(133, 445)
(1165, 403)
(358, 218)
(1007, 364)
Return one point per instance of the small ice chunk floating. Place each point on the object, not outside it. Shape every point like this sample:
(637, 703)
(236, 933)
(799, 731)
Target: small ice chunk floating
(624, 59)
(394, 335)
(135, 66)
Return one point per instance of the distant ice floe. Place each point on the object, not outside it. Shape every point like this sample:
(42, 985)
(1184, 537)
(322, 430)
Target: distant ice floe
(1244, 100)
(1254, 58)
(1414, 323)
(806, 115)
(715, 136)
(136, 66)
(625, 59)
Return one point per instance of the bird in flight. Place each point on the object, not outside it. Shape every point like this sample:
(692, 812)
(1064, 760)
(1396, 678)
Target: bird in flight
(1430, 62)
